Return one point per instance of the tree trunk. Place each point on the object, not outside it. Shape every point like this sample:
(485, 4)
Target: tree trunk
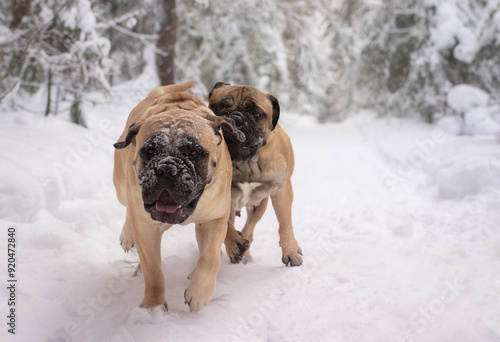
(166, 43)
(49, 93)
(76, 112)
(20, 9)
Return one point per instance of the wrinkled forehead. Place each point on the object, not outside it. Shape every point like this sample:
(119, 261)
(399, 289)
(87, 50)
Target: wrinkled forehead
(246, 96)
(173, 128)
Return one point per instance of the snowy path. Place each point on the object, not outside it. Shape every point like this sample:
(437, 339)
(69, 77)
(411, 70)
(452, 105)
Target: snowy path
(398, 221)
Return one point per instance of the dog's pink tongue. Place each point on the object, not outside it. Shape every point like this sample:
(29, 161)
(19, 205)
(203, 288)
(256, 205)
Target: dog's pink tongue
(169, 208)
(166, 203)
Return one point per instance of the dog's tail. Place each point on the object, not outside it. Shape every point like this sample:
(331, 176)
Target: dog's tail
(171, 88)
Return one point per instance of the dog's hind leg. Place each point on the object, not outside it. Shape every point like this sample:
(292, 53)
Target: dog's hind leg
(254, 214)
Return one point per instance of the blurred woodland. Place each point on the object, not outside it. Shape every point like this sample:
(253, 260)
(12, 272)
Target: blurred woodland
(326, 59)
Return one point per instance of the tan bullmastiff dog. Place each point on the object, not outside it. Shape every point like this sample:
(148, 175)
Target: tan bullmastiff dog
(262, 165)
(172, 166)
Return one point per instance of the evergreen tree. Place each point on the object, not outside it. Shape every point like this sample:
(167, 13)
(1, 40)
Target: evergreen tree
(66, 47)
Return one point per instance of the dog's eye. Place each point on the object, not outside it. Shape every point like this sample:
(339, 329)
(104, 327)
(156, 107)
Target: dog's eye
(223, 104)
(219, 108)
(194, 154)
(257, 115)
(147, 152)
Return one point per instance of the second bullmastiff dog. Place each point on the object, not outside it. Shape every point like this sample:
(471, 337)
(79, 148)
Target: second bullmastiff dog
(262, 165)
(172, 166)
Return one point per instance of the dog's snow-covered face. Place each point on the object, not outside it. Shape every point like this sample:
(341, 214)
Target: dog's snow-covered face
(255, 114)
(175, 159)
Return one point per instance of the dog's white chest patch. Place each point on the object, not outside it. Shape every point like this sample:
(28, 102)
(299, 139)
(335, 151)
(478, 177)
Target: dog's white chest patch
(247, 189)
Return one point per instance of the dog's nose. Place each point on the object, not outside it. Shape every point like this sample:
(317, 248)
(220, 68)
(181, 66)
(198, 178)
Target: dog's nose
(167, 169)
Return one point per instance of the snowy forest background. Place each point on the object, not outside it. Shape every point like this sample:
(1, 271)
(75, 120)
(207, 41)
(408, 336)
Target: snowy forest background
(398, 219)
(320, 58)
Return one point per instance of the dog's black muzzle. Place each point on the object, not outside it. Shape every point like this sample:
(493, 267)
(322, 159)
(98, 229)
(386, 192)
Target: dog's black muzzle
(171, 189)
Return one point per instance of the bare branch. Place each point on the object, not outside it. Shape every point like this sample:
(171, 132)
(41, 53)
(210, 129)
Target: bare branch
(28, 44)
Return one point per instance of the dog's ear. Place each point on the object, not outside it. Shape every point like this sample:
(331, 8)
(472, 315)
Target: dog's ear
(217, 85)
(276, 110)
(130, 138)
(226, 124)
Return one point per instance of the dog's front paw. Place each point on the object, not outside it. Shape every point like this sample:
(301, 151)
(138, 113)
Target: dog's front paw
(127, 239)
(292, 256)
(198, 294)
(236, 249)
(151, 303)
(247, 258)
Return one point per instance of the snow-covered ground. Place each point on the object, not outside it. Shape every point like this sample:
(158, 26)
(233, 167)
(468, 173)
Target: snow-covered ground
(399, 223)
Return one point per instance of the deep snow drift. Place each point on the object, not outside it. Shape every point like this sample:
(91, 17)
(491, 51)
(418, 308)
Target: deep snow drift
(398, 221)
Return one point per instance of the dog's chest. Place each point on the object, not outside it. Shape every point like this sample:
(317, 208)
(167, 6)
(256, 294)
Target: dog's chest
(250, 193)
(249, 171)
(252, 182)
(246, 191)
